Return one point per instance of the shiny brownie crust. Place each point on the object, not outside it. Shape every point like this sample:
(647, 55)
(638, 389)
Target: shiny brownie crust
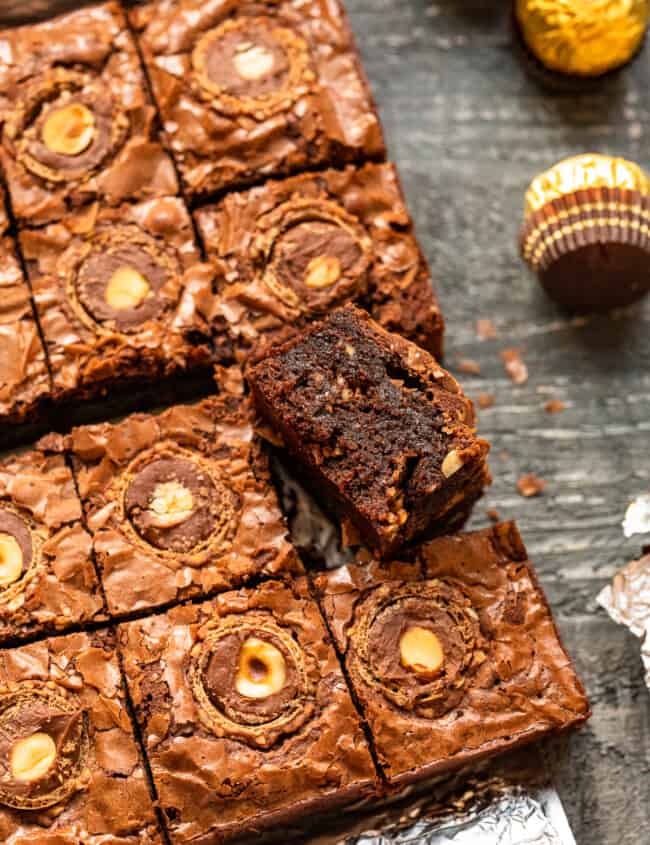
(291, 251)
(54, 585)
(92, 347)
(225, 765)
(249, 90)
(179, 504)
(506, 679)
(382, 431)
(24, 376)
(87, 58)
(70, 688)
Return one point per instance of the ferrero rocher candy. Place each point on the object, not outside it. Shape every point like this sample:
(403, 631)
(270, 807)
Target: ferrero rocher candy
(583, 38)
(586, 232)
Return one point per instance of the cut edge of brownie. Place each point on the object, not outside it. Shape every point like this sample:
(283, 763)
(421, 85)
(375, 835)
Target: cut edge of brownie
(419, 494)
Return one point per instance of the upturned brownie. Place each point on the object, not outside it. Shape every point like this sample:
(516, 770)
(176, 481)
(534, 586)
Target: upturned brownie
(257, 88)
(24, 376)
(454, 657)
(384, 434)
(293, 250)
(75, 117)
(246, 717)
(70, 771)
(47, 577)
(179, 503)
(116, 292)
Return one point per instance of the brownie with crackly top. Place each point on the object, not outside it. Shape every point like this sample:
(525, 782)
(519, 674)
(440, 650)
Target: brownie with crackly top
(47, 576)
(245, 713)
(454, 656)
(180, 504)
(254, 89)
(24, 375)
(117, 293)
(70, 769)
(384, 434)
(76, 121)
(293, 250)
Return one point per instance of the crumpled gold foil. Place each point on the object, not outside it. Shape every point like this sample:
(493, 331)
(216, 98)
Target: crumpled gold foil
(585, 171)
(583, 37)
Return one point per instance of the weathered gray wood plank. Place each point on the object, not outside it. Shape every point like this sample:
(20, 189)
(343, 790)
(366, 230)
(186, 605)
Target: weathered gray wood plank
(469, 130)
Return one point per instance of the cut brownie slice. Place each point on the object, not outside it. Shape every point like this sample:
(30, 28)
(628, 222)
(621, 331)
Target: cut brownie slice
(454, 657)
(180, 503)
(250, 90)
(24, 376)
(70, 769)
(75, 117)
(293, 250)
(47, 577)
(116, 293)
(246, 717)
(382, 431)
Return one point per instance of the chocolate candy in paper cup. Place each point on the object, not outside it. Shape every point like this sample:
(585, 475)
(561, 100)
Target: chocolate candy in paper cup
(586, 232)
(580, 39)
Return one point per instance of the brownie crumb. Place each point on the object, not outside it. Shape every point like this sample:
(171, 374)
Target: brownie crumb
(514, 366)
(485, 329)
(554, 406)
(530, 485)
(485, 400)
(493, 515)
(469, 366)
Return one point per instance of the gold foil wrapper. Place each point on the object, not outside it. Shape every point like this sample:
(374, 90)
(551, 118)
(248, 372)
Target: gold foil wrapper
(584, 172)
(583, 37)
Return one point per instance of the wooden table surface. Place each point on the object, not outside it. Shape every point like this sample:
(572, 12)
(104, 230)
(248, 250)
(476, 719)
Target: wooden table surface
(469, 129)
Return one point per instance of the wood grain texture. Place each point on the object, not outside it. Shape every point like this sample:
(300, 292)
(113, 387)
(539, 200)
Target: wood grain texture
(468, 129)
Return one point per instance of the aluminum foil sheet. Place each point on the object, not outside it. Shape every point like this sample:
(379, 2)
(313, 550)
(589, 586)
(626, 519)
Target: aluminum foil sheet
(512, 803)
(627, 600)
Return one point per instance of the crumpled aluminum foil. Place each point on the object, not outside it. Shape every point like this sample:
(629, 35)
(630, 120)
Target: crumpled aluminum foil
(627, 600)
(513, 804)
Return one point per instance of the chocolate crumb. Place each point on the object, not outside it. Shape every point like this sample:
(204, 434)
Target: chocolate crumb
(469, 366)
(554, 406)
(485, 400)
(514, 366)
(493, 515)
(530, 485)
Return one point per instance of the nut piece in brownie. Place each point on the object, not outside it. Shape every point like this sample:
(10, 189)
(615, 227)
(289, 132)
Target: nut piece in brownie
(455, 657)
(381, 431)
(47, 577)
(295, 249)
(250, 90)
(75, 118)
(70, 771)
(116, 292)
(246, 717)
(180, 503)
(24, 377)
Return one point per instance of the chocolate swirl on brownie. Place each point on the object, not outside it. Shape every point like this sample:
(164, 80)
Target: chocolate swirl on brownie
(252, 66)
(250, 680)
(176, 503)
(418, 645)
(43, 745)
(315, 255)
(66, 126)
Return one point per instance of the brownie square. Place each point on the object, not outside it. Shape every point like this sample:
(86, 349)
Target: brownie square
(247, 719)
(62, 702)
(180, 503)
(116, 292)
(293, 250)
(256, 89)
(76, 121)
(455, 657)
(47, 577)
(24, 377)
(383, 433)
